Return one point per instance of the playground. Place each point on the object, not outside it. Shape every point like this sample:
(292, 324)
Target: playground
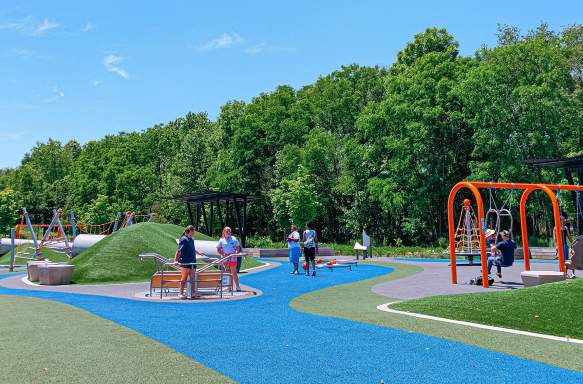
(358, 320)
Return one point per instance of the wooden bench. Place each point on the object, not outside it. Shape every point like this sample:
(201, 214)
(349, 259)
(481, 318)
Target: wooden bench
(207, 280)
(544, 253)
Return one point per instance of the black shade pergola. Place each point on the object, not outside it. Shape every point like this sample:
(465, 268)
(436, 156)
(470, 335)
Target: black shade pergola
(570, 165)
(231, 201)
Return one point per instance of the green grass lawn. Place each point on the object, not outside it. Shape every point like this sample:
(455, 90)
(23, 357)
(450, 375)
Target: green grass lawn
(68, 345)
(46, 253)
(554, 309)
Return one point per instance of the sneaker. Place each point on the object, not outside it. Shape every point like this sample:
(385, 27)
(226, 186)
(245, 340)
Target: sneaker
(307, 273)
(239, 290)
(499, 275)
(292, 273)
(314, 274)
(182, 297)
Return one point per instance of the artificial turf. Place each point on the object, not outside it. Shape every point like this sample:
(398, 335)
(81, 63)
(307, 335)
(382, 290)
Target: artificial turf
(51, 342)
(357, 302)
(554, 309)
(46, 253)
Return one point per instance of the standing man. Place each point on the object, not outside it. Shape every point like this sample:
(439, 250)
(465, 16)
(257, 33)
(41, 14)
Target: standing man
(294, 251)
(310, 240)
(229, 246)
(186, 259)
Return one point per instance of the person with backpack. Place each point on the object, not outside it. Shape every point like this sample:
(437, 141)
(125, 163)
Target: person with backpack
(310, 245)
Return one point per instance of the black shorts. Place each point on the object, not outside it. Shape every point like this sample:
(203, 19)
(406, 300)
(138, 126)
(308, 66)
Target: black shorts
(188, 266)
(310, 254)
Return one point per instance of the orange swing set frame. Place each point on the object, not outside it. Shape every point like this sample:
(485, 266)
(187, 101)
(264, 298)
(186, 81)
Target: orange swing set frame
(474, 187)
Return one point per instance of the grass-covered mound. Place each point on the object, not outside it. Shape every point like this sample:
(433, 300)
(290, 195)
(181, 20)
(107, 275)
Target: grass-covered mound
(115, 258)
(554, 309)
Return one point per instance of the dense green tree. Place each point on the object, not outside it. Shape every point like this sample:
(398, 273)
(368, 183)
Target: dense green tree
(374, 148)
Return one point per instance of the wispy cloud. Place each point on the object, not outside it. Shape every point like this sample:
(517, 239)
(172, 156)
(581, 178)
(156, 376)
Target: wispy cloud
(44, 27)
(88, 27)
(226, 40)
(112, 62)
(30, 27)
(264, 47)
(57, 94)
(21, 52)
(257, 48)
(18, 26)
(12, 136)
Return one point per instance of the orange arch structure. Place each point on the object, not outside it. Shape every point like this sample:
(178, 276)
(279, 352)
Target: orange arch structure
(474, 187)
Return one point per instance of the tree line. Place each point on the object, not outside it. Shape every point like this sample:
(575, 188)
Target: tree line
(374, 148)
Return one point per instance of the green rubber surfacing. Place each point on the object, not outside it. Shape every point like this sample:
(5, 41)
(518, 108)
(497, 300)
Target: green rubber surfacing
(50, 342)
(356, 302)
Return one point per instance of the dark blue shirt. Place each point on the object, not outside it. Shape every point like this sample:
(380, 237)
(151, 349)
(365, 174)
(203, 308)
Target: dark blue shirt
(186, 249)
(506, 247)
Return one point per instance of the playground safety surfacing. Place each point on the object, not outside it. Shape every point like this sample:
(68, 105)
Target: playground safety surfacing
(265, 341)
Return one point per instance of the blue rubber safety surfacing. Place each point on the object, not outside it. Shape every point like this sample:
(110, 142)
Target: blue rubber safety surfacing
(263, 340)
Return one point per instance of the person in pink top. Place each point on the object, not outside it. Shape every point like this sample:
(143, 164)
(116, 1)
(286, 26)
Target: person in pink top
(228, 245)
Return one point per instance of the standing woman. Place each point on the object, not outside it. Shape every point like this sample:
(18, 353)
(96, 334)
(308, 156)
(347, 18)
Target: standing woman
(186, 258)
(228, 246)
(294, 251)
(566, 235)
(310, 239)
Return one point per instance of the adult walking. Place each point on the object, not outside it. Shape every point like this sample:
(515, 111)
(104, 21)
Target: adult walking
(310, 240)
(294, 251)
(565, 234)
(229, 246)
(186, 259)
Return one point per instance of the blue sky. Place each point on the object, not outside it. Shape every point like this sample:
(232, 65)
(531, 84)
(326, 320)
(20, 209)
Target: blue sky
(79, 70)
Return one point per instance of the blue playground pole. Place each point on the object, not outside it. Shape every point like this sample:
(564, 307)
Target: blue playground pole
(30, 228)
(12, 250)
(73, 225)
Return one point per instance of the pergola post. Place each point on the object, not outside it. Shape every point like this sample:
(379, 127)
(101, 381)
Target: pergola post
(219, 213)
(197, 216)
(190, 212)
(211, 220)
(204, 219)
(244, 231)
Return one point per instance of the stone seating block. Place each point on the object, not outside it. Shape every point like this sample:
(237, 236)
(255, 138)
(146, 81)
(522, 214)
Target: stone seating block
(55, 274)
(32, 269)
(532, 278)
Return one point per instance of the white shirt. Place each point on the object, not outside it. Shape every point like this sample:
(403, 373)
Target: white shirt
(294, 244)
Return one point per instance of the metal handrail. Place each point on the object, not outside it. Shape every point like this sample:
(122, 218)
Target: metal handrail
(221, 260)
